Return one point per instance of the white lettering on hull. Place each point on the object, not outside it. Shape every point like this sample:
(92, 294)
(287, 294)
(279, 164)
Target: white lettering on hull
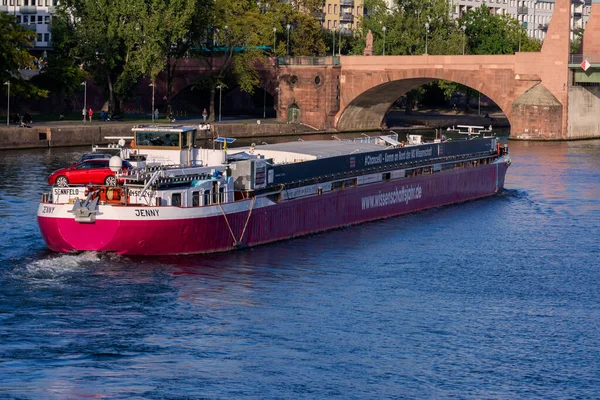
(397, 196)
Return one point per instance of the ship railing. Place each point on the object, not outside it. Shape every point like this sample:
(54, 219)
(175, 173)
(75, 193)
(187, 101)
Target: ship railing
(470, 131)
(380, 139)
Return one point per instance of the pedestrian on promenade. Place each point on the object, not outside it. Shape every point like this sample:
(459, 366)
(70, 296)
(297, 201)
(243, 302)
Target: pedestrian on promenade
(204, 115)
(156, 114)
(90, 113)
(83, 113)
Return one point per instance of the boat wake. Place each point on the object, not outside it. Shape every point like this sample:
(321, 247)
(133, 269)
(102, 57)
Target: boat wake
(56, 268)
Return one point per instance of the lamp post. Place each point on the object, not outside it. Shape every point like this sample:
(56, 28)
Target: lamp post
(7, 83)
(520, 34)
(384, 29)
(464, 29)
(84, 83)
(333, 45)
(274, 39)
(288, 26)
(152, 110)
(264, 103)
(340, 40)
(227, 35)
(426, 35)
(220, 93)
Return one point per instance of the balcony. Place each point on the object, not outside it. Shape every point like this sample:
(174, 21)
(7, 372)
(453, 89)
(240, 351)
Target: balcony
(346, 17)
(28, 9)
(30, 26)
(522, 10)
(320, 15)
(346, 32)
(347, 3)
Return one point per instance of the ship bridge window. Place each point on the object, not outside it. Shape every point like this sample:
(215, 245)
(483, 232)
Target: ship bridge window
(157, 139)
(206, 198)
(195, 199)
(176, 199)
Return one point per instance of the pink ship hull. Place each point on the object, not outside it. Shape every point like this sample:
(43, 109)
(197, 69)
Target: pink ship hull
(277, 222)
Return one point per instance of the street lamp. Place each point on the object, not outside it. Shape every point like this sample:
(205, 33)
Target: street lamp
(220, 93)
(227, 35)
(426, 35)
(384, 29)
(333, 46)
(7, 83)
(340, 41)
(274, 39)
(520, 34)
(84, 83)
(464, 29)
(288, 26)
(152, 110)
(264, 103)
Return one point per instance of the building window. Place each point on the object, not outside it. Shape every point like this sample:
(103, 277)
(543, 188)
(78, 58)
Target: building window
(25, 19)
(47, 19)
(335, 8)
(39, 37)
(328, 8)
(46, 37)
(40, 19)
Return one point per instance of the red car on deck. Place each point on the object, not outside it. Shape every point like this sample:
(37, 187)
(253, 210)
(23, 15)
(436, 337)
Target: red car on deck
(95, 172)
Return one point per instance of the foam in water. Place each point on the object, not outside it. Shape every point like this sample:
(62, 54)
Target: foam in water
(57, 267)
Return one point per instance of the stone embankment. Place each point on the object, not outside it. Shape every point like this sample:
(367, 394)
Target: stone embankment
(78, 134)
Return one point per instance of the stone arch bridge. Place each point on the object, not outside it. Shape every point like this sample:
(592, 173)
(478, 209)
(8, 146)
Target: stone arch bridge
(534, 90)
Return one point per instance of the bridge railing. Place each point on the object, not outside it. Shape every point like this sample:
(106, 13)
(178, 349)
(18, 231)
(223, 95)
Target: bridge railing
(308, 61)
(578, 58)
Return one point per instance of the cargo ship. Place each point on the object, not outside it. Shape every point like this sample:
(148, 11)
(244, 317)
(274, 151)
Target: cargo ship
(181, 199)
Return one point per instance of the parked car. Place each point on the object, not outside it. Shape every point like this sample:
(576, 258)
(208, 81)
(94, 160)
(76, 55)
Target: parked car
(92, 156)
(95, 171)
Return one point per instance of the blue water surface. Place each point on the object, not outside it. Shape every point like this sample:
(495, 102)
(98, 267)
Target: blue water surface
(497, 298)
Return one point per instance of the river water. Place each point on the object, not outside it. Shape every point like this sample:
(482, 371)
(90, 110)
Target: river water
(496, 298)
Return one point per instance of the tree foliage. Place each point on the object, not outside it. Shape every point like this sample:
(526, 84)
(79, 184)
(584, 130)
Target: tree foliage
(14, 55)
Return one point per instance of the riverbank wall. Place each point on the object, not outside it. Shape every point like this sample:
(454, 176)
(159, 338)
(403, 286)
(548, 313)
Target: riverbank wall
(41, 136)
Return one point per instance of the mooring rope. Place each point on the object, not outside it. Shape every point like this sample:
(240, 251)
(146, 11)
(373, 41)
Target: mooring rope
(237, 242)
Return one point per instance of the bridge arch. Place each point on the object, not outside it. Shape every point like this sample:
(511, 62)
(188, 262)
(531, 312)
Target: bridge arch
(372, 95)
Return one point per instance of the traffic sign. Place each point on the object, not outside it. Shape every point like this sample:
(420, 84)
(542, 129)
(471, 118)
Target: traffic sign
(585, 65)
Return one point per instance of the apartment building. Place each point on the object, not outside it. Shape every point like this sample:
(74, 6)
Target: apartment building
(533, 14)
(343, 15)
(35, 15)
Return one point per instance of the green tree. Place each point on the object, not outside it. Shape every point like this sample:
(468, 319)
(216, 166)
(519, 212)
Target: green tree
(61, 75)
(495, 33)
(242, 32)
(169, 31)
(14, 55)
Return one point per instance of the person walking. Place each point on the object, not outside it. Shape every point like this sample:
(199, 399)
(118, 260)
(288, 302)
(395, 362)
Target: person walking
(83, 113)
(90, 113)
(156, 114)
(204, 115)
